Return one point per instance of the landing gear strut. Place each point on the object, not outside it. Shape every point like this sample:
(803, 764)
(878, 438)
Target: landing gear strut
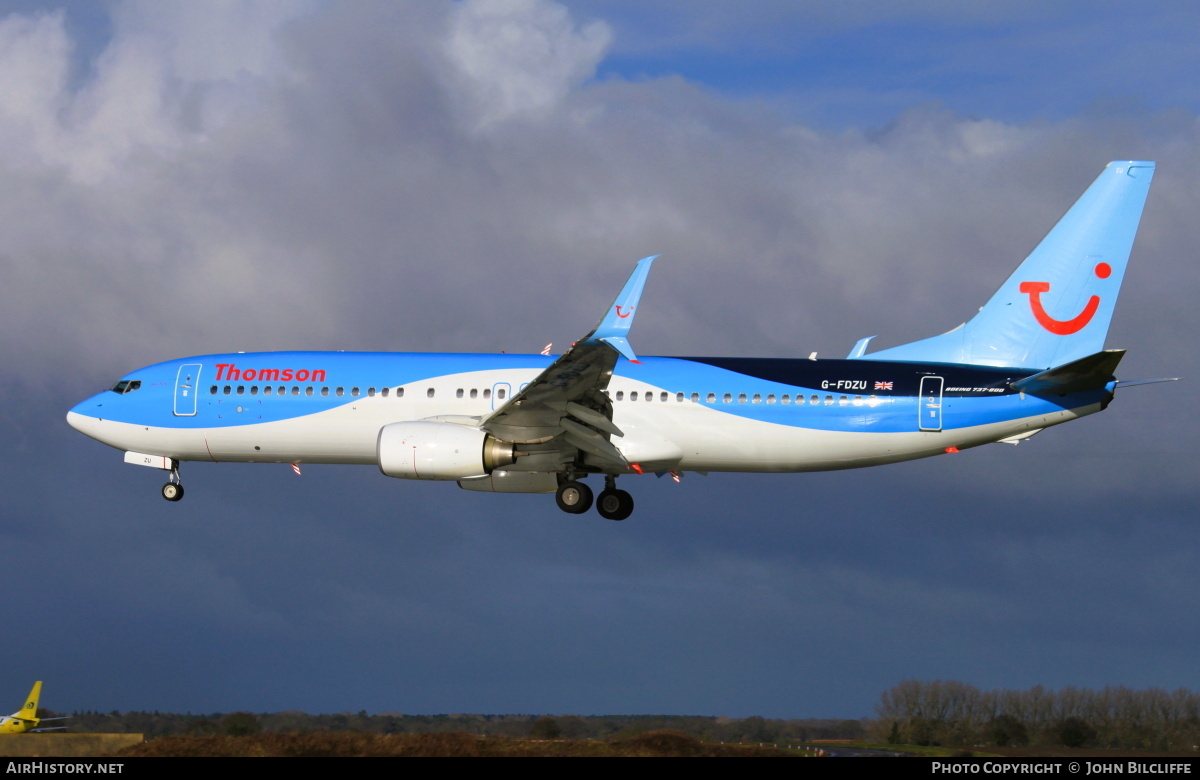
(173, 490)
(614, 504)
(574, 497)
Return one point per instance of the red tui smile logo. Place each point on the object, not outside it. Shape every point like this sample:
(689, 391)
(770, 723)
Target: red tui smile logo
(626, 314)
(1063, 327)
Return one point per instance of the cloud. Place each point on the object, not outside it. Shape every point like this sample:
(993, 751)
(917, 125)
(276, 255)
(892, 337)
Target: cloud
(512, 59)
(451, 176)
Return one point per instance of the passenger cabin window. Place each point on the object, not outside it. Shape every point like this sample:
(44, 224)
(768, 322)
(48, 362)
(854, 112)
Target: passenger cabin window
(429, 393)
(458, 393)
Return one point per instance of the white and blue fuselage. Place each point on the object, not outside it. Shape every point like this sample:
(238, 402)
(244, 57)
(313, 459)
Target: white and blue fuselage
(1031, 358)
(721, 414)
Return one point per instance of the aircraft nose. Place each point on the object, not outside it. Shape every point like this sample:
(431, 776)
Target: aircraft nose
(75, 419)
(85, 415)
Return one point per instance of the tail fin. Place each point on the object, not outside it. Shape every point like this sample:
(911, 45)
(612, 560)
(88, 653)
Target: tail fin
(1057, 305)
(29, 710)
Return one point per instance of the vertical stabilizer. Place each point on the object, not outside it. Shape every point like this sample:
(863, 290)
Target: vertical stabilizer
(29, 710)
(1057, 306)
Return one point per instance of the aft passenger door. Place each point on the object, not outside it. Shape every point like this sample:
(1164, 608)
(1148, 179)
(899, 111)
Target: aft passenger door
(187, 382)
(930, 407)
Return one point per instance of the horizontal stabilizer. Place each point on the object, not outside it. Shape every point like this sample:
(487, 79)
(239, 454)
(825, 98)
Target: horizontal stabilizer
(1136, 382)
(1020, 437)
(1089, 373)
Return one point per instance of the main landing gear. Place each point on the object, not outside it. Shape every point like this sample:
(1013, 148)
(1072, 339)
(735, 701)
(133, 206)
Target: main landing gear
(575, 498)
(173, 490)
(614, 504)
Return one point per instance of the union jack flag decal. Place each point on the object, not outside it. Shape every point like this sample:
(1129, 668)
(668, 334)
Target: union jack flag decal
(883, 385)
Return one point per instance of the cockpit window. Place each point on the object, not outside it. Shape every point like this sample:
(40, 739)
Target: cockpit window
(126, 386)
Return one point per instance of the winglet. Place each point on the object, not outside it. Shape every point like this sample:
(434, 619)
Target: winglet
(619, 319)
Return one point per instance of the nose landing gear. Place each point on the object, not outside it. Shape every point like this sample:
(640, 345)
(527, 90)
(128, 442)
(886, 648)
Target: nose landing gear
(173, 490)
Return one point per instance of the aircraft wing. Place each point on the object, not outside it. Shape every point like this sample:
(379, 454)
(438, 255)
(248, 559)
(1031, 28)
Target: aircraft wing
(568, 399)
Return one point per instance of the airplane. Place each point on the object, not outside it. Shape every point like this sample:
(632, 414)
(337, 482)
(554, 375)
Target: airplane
(1031, 358)
(25, 719)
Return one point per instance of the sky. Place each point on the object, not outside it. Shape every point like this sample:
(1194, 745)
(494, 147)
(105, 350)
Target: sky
(185, 179)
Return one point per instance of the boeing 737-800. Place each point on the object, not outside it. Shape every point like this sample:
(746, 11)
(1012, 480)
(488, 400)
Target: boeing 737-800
(1032, 357)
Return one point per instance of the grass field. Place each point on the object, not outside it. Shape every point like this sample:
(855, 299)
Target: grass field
(653, 743)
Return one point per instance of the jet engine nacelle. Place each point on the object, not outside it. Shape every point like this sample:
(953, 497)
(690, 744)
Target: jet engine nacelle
(439, 450)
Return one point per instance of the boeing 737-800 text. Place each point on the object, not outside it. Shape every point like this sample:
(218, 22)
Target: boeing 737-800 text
(1031, 358)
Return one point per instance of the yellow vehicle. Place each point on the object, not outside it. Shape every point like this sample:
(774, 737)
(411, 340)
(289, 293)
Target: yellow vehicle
(26, 719)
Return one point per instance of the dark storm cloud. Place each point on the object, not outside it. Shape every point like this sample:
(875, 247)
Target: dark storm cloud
(454, 177)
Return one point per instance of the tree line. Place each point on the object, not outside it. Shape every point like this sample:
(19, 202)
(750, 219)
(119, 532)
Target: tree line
(948, 712)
